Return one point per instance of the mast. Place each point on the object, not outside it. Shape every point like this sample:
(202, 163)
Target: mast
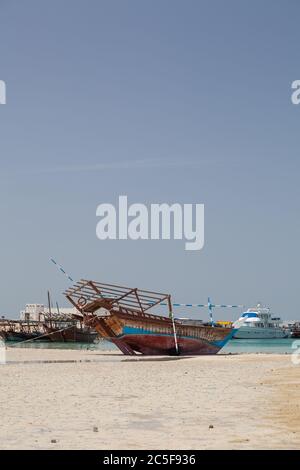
(173, 324)
(210, 312)
(49, 305)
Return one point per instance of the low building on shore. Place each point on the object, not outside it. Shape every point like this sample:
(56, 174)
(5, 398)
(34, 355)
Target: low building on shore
(38, 312)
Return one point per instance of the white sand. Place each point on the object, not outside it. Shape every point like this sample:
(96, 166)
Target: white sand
(252, 401)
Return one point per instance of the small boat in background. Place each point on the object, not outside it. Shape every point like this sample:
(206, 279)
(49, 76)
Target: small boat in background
(67, 331)
(259, 323)
(62, 328)
(70, 332)
(37, 325)
(18, 331)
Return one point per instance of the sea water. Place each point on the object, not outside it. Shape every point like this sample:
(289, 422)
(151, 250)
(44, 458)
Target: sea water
(235, 346)
(271, 346)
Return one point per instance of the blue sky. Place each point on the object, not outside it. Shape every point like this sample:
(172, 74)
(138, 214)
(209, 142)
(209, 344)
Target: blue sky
(164, 101)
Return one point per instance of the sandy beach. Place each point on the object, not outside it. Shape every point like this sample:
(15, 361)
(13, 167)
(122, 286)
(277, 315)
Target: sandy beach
(65, 399)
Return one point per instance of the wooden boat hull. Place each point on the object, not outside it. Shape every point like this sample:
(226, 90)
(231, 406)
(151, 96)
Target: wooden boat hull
(17, 336)
(156, 337)
(151, 345)
(121, 315)
(70, 335)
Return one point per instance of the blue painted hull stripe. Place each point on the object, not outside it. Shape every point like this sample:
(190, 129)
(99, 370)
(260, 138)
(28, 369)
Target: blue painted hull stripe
(128, 330)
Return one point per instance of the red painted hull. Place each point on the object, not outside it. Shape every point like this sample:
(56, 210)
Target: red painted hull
(157, 345)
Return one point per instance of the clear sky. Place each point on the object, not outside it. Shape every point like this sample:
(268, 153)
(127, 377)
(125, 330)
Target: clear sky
(164, 101)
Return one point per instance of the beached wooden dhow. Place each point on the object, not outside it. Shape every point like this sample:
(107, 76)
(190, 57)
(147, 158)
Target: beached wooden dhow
(121, 315)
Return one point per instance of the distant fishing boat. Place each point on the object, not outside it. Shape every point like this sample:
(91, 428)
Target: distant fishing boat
(121, 315)
(68, 332)
(64, 329)
(259, 323)
(15, 336)
(18, 331)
